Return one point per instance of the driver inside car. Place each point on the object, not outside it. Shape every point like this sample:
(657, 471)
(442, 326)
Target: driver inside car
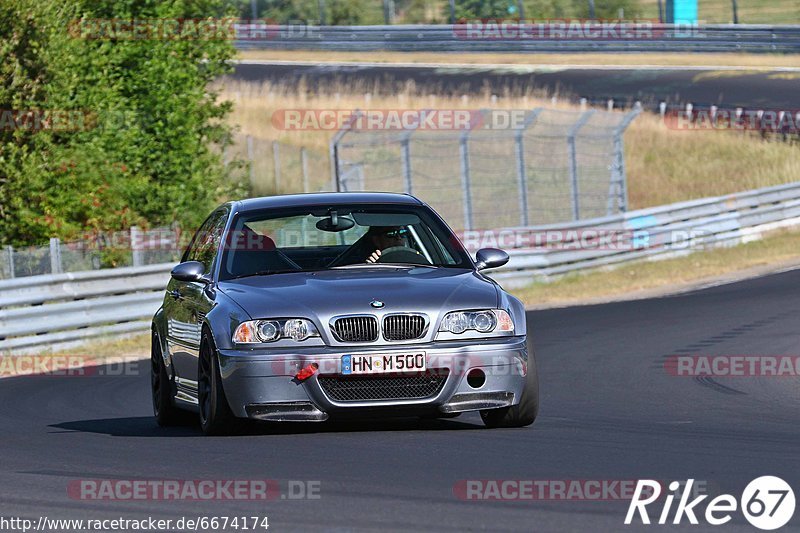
(385, 237)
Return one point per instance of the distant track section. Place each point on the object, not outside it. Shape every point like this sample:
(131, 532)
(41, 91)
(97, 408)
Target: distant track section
(725, 87)
(555, 36)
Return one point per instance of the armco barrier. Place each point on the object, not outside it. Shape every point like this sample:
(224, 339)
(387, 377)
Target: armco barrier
(652, 233)
(52, 311)
(58, 310)
(455, 38)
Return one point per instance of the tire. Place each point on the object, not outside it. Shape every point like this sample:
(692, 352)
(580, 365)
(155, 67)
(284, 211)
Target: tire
(525, 412)
(161, 388)
(216, 417)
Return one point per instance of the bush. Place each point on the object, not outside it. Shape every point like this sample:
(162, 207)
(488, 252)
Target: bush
(145, 151)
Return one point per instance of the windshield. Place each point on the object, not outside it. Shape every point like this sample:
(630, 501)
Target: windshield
(338, 236)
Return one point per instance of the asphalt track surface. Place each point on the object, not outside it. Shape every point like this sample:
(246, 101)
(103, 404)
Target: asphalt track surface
(609, 411)
(724, 88)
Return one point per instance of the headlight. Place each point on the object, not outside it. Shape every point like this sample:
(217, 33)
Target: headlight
(260, 331)
(495, 321)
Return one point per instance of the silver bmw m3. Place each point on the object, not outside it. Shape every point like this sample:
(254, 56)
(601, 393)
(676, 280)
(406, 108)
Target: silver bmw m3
(308, 307)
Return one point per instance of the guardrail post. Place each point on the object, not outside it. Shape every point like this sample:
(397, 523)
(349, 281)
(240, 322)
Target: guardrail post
(137, 255)
(304, 167)
(573, 162)
(463, 149)
(522, 177)
(11, 269)
(276, 159)
(55, 255)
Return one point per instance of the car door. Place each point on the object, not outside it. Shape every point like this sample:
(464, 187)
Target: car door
(190, 301)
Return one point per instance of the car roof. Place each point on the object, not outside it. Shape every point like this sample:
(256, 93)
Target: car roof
(324, 198)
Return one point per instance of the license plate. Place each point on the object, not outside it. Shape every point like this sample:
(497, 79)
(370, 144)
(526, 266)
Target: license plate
(384, 363)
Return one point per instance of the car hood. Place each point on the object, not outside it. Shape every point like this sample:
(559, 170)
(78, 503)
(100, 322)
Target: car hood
(333, 292)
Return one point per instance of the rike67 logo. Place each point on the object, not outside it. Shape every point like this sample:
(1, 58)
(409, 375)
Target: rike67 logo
(767, 503)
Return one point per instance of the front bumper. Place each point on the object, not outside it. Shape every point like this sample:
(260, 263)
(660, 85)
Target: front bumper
(262, 385)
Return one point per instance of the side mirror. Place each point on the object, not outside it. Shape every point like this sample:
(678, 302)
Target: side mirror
(190, 271)
(490, 258)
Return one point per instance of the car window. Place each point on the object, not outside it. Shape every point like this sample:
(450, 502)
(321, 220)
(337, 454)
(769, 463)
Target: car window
(205, 242)
(318, 238)
(301, 232)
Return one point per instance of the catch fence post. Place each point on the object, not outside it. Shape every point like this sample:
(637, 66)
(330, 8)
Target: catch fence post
(619, 177)
(405, 159)
(55, 255)
(251, 159)
(522, 178)
(406, 163)
(304, 167)
(137, 255)
(334, 152)
(11, 269)
(463, 149)
(276, 159)
(573, 162)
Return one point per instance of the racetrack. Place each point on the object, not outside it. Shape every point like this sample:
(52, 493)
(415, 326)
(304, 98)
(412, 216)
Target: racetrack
(609, 411)
(703, 86)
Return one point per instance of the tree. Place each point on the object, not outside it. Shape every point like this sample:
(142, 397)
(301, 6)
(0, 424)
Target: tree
(143, 151)
(483, 9)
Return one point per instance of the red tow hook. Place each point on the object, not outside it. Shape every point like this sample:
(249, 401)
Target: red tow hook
(306, 372)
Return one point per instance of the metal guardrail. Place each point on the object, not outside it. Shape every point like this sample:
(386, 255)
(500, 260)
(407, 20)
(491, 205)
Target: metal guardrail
(653, 233)
(455, 38)
(59, 310)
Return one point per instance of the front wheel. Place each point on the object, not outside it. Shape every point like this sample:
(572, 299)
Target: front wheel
(161, 387)
(216, 417)
(525, 412)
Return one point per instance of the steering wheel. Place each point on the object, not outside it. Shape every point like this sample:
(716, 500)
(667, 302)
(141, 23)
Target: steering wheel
(402, 254)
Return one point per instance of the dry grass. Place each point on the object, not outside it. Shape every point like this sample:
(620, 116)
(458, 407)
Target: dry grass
(101, 348)
(627, 279)
(664, 165)
(756, 61)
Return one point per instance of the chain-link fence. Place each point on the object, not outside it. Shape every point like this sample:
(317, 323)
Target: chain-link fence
(278, 168)
(553, 166)
(135, 247)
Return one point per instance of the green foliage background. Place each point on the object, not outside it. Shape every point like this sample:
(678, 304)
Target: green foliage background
(149, 157)
(355, 12)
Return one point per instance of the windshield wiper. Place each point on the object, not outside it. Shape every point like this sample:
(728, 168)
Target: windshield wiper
(267, 273)
(390, 265)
